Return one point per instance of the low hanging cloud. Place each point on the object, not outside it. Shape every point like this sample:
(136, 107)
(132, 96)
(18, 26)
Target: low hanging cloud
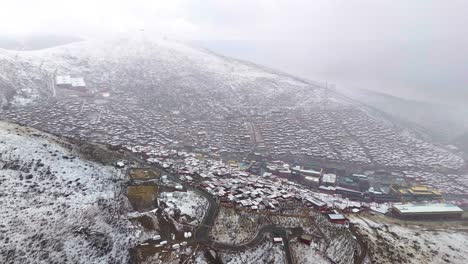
(415, 49)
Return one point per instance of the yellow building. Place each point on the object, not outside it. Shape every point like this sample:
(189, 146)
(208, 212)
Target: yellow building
(415, 193)
(233, 163)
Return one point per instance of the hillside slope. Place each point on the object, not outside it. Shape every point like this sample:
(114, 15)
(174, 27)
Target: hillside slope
(54, 205)
(21, 80)
(169, 94)
(175, 70)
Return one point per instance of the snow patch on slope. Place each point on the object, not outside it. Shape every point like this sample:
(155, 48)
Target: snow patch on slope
(393, 243)
(54, 205)
(189, 203)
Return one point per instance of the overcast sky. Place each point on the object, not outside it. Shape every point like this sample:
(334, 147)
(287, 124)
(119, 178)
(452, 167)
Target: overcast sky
(412, 48)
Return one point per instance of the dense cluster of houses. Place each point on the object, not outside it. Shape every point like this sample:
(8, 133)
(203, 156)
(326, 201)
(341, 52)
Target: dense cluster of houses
(275, 190)
(346, 134)
(256, 194)
(341, 134)
(269, 193)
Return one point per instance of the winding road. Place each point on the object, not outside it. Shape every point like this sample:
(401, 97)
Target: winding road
(203, 230)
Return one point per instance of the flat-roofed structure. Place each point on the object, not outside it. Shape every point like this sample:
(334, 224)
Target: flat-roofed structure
(427, 211)
(63, 81)
(328, 179)
(310, 181)
(78, 83)
(337, 218)
(316, 203)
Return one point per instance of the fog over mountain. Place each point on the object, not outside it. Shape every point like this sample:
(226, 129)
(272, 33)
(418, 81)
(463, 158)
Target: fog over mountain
(35, 41)
(414, 50)
(445, 122)
(411, 49)
(410, 68)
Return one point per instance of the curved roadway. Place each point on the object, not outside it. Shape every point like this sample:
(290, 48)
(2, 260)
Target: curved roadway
(203, 230)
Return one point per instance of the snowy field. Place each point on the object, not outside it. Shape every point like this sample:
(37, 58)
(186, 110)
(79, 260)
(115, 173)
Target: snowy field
(304, 254)
(234, 227)
(405, 242)
(189, 203)
(266, 252)
(54, 206)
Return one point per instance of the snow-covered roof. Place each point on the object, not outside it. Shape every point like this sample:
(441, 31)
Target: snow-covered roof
(316, 201)
(63, 79)
(427, 208)
(329, 178)
(309, 178)
(336, 217)
(78, 82)
(346, 189)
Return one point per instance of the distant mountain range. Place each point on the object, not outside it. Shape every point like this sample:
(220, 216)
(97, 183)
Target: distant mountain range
(35, 42)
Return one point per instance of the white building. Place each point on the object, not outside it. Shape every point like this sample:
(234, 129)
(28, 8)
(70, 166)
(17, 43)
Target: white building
(78, 82)
(63, 81)
(329, 179)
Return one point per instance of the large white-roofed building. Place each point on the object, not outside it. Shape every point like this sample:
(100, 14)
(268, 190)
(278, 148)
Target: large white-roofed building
(74, 83)
(63, 81)
(427, 211)
(78, 83)
(328, 179)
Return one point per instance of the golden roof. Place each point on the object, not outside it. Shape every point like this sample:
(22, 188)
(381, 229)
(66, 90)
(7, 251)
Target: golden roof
(419, 188)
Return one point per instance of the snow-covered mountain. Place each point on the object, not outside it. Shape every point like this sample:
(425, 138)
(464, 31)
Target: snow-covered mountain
(55, 204)
(160, 68)
(166, 92)
(21, 80)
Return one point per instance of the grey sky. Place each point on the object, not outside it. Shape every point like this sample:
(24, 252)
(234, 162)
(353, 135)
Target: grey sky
(416, 48)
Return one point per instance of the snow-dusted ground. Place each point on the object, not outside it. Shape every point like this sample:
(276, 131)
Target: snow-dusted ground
(189, 203)
(54, 206)
(22, 81)
(304, 254)
(234, 227)
(200, 258)
(409, 243)
(172, 256)
(266, 252)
